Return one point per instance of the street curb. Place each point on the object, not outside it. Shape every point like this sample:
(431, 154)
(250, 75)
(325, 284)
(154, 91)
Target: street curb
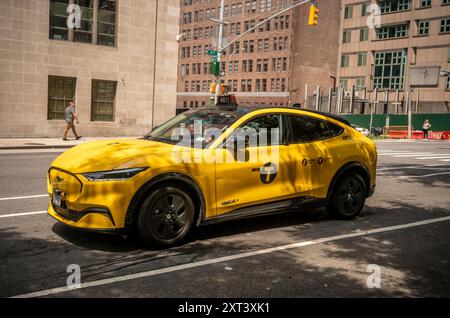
(36, 147)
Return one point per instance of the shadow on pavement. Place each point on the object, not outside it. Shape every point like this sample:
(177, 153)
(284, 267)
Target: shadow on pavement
(39, 263)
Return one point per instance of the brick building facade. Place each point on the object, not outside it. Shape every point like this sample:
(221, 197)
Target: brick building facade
(268, 66)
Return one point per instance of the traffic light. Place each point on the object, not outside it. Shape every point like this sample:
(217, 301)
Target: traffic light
(313, 15)
(223, 89)
(212, 88)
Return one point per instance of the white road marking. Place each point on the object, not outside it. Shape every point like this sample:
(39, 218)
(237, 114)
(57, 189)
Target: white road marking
(445, 160)
(30, 151)
(412, 155)
(429, 158)
(427, 167)
(425, 175)
(27, 197)
(180, 267)
(21, 214)
(398, 153)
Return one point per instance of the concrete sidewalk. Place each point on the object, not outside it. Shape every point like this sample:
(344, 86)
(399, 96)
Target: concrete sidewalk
(58, 143)
(47, 143)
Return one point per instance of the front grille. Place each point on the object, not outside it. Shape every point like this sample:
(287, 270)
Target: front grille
(65, 181)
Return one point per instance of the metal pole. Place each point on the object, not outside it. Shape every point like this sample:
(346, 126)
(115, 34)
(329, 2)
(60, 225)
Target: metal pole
(219, 50)
(397, 100)
(341, 100)
(408, 96)
(317, 97)
(417, 101)
(154, 62)
(374, 105)
(306, 96)
(330, 97)
(352, 97)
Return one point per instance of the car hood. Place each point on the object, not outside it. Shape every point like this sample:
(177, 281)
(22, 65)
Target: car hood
(107, 154)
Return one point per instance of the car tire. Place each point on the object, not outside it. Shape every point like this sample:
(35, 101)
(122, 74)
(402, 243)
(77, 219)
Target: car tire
(348, 197)
(166, 217)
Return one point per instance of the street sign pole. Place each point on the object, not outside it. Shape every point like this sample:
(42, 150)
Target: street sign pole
(408, 96)
(220, 45)
(219, 50)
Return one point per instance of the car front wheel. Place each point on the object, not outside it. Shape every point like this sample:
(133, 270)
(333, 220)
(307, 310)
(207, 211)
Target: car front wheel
(166, 217)
(348, 197)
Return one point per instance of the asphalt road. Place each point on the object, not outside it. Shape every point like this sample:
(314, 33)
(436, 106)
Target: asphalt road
(404, 230)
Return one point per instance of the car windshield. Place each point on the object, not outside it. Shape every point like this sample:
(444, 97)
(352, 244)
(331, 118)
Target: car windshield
(194, 128)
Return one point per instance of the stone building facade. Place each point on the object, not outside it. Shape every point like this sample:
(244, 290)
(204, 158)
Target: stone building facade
(118, 65)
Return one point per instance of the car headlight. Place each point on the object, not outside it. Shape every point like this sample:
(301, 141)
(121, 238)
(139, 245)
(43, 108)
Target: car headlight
(113, 175)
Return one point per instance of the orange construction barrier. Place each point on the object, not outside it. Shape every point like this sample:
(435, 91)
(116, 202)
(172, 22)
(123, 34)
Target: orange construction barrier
(432, 135)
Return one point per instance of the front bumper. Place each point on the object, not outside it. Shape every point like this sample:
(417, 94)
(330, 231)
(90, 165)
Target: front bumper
(88, 220)
(93, 206)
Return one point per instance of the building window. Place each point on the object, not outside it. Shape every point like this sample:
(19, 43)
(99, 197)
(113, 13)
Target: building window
(425, 3)
(423, 27)
(348, 12)
(106, 23)
(389, 69)
(388, 6)
(364, 9)
(362, 59)
(363, 35)
(343, 82)
(102, 102)
(445, 2)
(61, 90)
(395, 31)
(360, 82)
(97, 25)
(448, 54)
(447, 85)
(347, 36)
(345, 60)
(445, 25)
(58, 20)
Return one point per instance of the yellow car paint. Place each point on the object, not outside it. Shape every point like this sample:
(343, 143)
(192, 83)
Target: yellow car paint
(305, 169)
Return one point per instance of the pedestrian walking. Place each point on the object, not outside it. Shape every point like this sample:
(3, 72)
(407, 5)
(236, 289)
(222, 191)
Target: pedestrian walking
(426, 127)
(71, 116)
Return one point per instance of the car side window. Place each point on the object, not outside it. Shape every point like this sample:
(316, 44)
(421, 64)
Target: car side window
(335, 130)
(267, 129)
(308, 129)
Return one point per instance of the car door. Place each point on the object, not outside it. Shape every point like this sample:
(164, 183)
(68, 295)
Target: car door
(258, 169)
(317, 153)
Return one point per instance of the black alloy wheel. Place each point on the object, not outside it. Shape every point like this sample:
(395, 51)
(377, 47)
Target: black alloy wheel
(348, 197)
(166, 217)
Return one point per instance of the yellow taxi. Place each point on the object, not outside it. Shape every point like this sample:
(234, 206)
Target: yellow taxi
(211, 165)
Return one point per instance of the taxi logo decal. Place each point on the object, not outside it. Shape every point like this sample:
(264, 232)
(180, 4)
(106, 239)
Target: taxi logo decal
(268, 173)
